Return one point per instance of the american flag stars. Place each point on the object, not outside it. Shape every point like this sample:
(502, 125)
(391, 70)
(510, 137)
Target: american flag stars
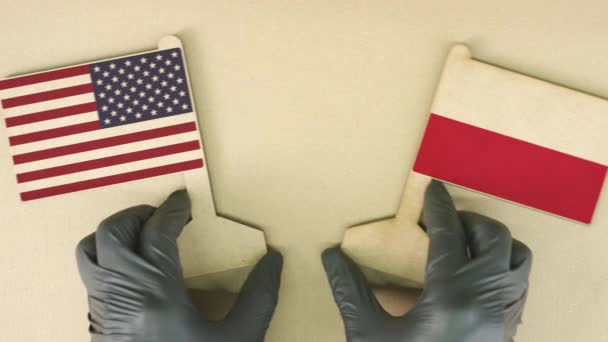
(142, 87)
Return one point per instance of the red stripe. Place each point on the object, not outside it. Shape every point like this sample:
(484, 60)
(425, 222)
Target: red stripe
(509, 168)
(110, 180)
(44, 77)
(54, 133)
(47, 95)
(50, 114)
(104, 142)
(107, 161)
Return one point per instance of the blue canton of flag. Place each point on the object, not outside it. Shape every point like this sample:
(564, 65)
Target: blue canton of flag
(140, 87)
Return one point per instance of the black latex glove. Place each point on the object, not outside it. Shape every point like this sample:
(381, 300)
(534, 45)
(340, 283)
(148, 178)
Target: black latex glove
(475, 286)
(130, 267)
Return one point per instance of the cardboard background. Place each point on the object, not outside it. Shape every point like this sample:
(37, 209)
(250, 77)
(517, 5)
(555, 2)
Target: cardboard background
(311, 114)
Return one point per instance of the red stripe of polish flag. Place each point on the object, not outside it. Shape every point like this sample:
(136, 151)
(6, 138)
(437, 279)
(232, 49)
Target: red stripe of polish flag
(510, 168)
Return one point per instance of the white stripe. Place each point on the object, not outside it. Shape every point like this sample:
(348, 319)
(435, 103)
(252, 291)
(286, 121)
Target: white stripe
(110, 170)
(48, 105)
(523, 108)
(107, 152)
(45, 86)
(54, 123)
(102, 133)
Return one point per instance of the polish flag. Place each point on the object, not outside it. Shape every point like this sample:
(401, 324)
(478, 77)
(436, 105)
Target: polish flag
(516, 138)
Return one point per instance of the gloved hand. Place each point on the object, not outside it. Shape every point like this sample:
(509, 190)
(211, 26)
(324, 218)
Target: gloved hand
(475, 286)
(130, 267)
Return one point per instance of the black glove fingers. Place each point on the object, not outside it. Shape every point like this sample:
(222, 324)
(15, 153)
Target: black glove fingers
(86, 250)
(489, 240)
(97, 313)
(118, 237)
(521, 264)
(258, 298)
(158, 243)
(513, 314)
(132, 299)
(521, 257)
(447, 249)
(354, 298)
(96, 280)
(86, 258)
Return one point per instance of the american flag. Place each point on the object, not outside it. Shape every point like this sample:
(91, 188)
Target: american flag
(99, 124)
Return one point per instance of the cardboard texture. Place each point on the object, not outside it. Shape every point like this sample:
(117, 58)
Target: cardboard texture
(311, 115)
(216, 252)
(393, 251)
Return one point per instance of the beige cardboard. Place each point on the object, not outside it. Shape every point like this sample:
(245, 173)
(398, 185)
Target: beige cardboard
(216, 252)
(393, 251)
(311, 113)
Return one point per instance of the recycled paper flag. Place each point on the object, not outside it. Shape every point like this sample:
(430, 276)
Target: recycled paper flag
(499, 133)
(516, 138)
(102, 123)
(124, 120)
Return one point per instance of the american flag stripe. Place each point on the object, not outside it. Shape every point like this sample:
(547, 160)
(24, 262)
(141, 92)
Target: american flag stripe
(107, 161)
(54, 133)
(57, 124)
(105, 142)
(54, 123)
(102, 133)
(103, 171)
(51, 114)
(40, 87)
(47, 95)
(113, 179)
(44, 77)
(105, 152)
(47, 105)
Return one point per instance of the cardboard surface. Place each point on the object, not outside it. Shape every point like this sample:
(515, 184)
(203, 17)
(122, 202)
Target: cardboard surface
(312, 113)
